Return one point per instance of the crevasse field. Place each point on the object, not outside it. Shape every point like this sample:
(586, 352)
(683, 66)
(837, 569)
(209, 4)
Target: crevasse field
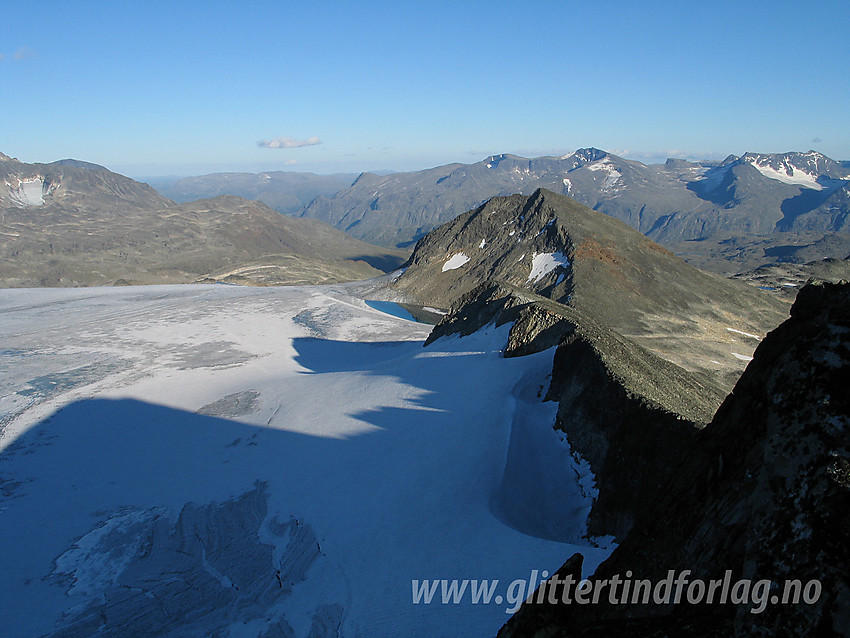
(216, 460)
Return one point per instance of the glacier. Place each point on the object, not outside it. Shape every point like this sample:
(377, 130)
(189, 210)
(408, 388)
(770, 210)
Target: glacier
(211, 459)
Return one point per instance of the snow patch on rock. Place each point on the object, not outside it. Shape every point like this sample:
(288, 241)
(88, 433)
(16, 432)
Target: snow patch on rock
(455, 261)
(612, 175)
(544, 263)
(742, 357)
(746, 334)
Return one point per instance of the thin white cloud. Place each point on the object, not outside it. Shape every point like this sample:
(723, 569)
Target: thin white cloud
(23, 53)
(288, 142)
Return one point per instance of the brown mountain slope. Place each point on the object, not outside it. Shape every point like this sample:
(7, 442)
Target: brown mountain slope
(76, 224)
(552, 245)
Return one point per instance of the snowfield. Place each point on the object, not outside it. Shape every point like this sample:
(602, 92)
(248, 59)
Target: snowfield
(267, 461)
(791, 175)
(28, 192)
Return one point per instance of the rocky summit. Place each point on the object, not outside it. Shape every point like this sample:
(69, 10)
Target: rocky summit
(553, 246)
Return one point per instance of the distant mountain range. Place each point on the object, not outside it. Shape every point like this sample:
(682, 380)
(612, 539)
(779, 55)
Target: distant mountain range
(72, 223)
(792, 199)
(728, 216)
(731, 216)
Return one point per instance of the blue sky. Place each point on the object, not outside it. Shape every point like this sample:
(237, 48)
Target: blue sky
(154, 88)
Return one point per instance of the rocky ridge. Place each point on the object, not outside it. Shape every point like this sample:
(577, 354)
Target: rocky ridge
(620, 405)
(553, 246)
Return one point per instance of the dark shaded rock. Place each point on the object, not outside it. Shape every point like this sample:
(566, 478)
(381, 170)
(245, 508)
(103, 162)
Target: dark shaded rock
(538, 323)
(543, 614)
(762, 492)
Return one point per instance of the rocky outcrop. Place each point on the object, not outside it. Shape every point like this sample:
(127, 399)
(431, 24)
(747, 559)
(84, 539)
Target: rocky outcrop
(763, 491)
(538, 323)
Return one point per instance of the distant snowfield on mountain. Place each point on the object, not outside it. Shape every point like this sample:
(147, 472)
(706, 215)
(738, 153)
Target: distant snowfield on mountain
(28, 192)
(256, 461)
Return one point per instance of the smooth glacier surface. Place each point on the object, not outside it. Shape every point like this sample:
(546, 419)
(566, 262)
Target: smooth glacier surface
(257, 461)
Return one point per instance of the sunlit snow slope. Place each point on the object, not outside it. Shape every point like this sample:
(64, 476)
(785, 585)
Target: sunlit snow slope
(264, 462)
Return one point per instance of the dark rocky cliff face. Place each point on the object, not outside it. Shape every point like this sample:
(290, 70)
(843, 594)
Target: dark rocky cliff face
(763, 491)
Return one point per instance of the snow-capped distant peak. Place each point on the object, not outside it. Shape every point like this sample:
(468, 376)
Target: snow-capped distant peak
(582, 157)
(494, 160)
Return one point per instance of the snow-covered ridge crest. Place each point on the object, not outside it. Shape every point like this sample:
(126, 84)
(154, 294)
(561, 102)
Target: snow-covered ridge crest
(809, 170)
